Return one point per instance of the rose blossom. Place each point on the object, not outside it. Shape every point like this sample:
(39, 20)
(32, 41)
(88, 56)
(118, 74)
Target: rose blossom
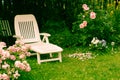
(85, 7)
(17, 63)
(28, 68)
(12, 49)
(22, 56)
(92, 15)
(85, 23)
(5, 77)
(12, 57)
(20, 65)
(5, 55)
(25, 47)
(0, 76)
(2, 44)
(5, 66)
(81, 25)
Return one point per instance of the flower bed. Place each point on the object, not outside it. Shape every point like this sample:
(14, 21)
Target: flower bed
(13, 60)
(82, 56)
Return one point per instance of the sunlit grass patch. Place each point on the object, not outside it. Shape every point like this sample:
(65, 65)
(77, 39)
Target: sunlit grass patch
(102, 67)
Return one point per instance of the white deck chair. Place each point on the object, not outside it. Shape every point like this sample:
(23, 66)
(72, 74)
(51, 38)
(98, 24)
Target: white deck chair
(26, 27)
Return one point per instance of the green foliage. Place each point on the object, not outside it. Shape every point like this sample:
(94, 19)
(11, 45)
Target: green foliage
(105, 26)
(116, 28)
(60, 34)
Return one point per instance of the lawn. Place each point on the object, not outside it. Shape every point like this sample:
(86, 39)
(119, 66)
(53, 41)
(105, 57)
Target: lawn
(103, 67)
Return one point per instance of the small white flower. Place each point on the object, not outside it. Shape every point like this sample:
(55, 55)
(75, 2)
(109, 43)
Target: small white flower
(112, 43)
(95, 40)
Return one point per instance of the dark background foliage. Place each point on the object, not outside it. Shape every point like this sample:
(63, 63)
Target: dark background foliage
(57, 17)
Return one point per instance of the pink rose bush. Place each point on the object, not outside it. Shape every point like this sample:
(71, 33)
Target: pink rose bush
(87, 12)
(13, 59)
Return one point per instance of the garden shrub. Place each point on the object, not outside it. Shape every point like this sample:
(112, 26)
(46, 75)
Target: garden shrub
(105, 26)
(116, 27)
(60, 33)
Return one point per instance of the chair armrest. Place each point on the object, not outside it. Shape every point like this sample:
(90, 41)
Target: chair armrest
(45, 37)
(17, 37)
(45, 34)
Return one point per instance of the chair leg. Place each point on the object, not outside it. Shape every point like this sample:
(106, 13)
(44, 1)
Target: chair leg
(38, 58)
(60, 57)
(51, 55)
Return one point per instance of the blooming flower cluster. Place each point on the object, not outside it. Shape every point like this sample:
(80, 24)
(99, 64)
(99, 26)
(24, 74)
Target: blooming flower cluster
(87, 11)
(96, 43)
(13, 59)
(82, 56)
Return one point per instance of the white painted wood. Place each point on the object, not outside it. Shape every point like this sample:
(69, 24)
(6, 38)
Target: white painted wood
(26, 30)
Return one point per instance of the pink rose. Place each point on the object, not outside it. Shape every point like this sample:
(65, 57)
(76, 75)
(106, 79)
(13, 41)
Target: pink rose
(85, 7)
(0, 76)
(5, 66)
(24, 48)
(22, 66)
(85, 23)
(12, 49)
(5, 55)
(28, 68)
(5, 77)
(12, 57)
(22, 56)
(17, 63)
(81, 25)
(2, 44)
(92, 15)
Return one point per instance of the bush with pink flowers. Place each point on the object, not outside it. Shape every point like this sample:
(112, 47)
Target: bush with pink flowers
(86, 16)
(13, 60)
(84, 24)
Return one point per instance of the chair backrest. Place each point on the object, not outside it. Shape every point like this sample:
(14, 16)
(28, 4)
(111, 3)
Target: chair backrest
(5, 28)
(26, 26)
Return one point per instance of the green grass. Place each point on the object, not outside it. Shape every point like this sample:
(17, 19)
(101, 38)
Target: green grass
(103, 67)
